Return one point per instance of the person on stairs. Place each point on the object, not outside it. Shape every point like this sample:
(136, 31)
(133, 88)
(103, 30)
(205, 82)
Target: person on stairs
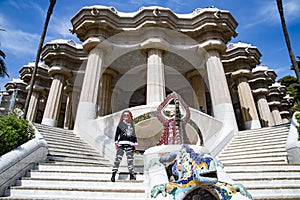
(125, 141)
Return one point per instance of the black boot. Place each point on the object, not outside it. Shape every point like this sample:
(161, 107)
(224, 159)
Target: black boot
(113, 177)
(132, 177)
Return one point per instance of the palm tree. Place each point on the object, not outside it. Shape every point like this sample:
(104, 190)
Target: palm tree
(287, 40)
(3, 71)
(38, 55)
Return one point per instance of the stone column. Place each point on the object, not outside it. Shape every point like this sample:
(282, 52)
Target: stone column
(264, 111)
(274, 99)
(88, 102)
(68, 121)
(198, 85)
(220, 96)
(155, 76)
(105, 91)
(262, 79)
(52, 109)
(249, 112)
(33, 103)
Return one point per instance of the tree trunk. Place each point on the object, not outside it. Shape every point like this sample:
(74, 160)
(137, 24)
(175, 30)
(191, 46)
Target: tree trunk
(287, 40)
(48, 16)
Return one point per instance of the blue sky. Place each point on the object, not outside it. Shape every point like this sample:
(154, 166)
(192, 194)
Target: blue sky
(259, 25)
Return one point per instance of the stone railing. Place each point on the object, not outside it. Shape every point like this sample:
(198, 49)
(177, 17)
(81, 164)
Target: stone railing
(292, 144)
(15, 163)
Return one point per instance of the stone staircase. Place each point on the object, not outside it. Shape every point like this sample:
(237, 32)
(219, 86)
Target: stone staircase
(74, 171)
(257, 159)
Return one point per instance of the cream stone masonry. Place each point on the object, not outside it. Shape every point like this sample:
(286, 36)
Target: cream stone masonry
(40, 89)
(105, 87)
(155, 77)
(198, 85)
(62, 56)
(274, 99)
(263, 77)
(239, 61)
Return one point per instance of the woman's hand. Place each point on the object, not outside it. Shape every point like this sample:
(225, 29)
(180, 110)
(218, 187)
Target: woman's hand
(116, 145)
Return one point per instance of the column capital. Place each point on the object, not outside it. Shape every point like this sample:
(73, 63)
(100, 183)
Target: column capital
(111, 72)
(96, 42)
(241, 73)
(213, 44)
(60, 70)
(192, 73)
(154, 43)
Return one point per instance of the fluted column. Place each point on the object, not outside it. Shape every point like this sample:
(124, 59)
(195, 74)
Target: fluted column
(88, 102)
(198, 85)
(68, 121)
(264, 111)
(274, 99)
(106, 92)
(247, 103)
(276, 115)
(33, 103)
(155, 76)
(220, 95)
(53, 105)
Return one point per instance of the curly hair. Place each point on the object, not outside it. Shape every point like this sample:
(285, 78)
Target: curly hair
(130, 117)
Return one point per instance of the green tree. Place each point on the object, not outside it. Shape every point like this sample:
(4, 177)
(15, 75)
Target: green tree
(293, 89)
(3, 70)
(287, 40)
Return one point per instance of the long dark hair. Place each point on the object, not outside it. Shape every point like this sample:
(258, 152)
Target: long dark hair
(130, 119)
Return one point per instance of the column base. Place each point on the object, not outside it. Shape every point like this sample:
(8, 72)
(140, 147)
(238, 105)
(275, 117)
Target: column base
(49, 122)
(252, 124)
(86, 111)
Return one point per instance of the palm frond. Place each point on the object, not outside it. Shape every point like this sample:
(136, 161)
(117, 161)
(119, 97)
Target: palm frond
(2, 54)
(3, 71)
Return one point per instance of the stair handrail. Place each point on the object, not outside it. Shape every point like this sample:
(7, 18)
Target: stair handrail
(17, 162)
(292, 143)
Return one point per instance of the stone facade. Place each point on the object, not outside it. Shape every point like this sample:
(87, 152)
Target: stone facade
(133, 60)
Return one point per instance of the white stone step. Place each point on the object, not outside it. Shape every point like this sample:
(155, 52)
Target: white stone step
(252, 155)
(263, 168)
(264, 175)
(262, 133)
(280, 194)
(266, 129)
(79, 155)
(79, 175)
(66, 168)
(73, 151)
(256, 144)
(252, 149)
(251, 161)
(82, 184)
(62, 138)
(276, 184)
(61, 145)
(251, 152)
(63, 142)
(259, 139)
(58, 193)
(55, 159)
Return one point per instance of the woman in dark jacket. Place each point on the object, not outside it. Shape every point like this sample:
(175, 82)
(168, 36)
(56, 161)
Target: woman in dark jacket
(125, 140)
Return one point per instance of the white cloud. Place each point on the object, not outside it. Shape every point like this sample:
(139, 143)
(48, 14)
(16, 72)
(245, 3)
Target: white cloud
(18, 42)
(268, 13)
(60, 27)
